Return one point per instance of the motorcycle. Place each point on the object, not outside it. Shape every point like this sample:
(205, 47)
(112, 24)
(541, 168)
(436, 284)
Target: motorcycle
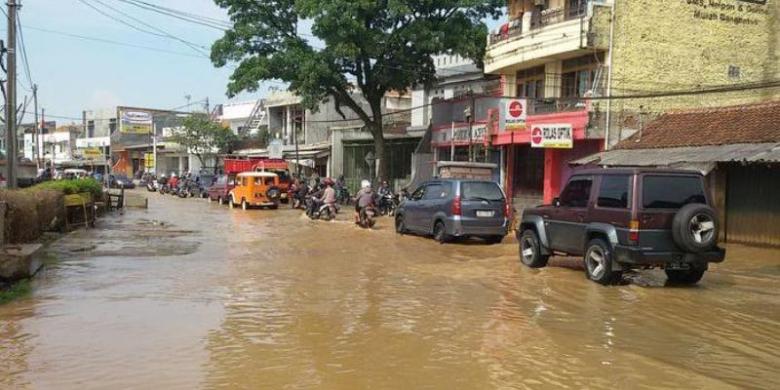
(152, 186)
(315, 209)
(388, 203)
(342, 196)
(366, 218)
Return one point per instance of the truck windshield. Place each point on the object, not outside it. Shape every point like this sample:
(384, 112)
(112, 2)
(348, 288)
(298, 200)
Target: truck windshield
(671, 192)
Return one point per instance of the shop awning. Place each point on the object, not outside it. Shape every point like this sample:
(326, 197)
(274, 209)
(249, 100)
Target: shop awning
(701, 158)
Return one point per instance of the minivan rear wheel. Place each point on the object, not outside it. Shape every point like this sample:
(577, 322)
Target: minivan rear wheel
(440, 232)
(685, 276)
(531, 251)
(598, 263)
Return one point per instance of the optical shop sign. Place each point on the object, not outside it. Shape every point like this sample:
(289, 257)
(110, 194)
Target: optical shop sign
(552, 136)
(736, 12)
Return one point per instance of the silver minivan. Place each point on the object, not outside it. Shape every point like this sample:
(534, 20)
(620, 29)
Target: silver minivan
(454, 208)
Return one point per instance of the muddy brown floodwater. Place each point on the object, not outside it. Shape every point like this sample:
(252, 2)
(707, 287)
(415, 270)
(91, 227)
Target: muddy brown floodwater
(192, 295)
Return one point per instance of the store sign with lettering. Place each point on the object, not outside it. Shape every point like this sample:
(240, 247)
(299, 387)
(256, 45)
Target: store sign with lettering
(736, 12)
(515, 114)
(552, 136)
(460, 135)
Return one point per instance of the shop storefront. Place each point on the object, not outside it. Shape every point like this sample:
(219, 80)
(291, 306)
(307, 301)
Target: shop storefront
(451, 143)
(538, 149)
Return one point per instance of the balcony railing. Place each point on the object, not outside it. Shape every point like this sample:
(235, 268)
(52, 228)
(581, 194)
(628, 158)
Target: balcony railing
(549, 106)
(558, 15)
(538, 20)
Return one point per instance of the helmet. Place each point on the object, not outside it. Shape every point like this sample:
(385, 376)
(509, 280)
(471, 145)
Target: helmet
(328, 181)
(365, 184)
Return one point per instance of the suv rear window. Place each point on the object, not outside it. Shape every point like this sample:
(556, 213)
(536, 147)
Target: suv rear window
(671, 192)
(481, 191)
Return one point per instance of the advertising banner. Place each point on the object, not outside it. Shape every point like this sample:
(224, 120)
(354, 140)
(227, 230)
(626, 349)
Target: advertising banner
(515, 113)
(557, 136)
(135, 122)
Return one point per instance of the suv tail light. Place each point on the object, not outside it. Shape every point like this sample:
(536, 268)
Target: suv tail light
(457, 206)
(507, 209)
(633, 231)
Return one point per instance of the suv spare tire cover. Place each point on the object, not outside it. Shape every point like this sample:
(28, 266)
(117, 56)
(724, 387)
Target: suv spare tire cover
(687, 221)
(273, 193)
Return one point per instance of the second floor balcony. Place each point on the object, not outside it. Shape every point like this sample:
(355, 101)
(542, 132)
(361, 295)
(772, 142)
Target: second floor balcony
(539, 35)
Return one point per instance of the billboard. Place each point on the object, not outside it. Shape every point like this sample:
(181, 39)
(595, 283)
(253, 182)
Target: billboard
(135, 122)
(92, 153)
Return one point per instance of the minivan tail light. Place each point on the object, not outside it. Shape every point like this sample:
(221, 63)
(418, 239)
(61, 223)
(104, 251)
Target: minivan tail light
(633, 231)
(507, 209)
(457, 207)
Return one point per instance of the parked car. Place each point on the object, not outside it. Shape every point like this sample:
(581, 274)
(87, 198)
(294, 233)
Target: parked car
(255, 189)
(220, 190)
(620, 219)
(120, 181)
(453, 208)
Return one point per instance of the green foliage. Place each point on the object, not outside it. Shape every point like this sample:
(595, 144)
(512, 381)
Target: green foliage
(14, 291)
(200, 135)
(69, 187)
(369, 46)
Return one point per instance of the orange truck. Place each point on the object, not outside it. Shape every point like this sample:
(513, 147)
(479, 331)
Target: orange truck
(236, 165)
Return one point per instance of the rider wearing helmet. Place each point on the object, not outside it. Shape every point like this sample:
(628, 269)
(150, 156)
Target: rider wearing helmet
(364, 198)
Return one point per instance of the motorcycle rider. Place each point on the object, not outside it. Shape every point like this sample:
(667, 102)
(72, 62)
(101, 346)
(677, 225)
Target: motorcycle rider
(364, 198)
(329, 195)
(383, 193)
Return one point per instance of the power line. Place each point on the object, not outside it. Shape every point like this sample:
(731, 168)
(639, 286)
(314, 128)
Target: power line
(221, 26)
(25, 60)
(160, 32)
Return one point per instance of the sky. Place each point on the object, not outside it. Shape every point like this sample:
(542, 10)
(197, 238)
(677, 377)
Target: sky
(75, 74)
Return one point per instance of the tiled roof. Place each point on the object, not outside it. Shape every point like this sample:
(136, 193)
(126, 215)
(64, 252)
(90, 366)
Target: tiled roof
(754, 123)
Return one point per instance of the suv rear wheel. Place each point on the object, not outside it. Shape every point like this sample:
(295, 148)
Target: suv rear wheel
(685, 276)
(531, 251)
(598, 263)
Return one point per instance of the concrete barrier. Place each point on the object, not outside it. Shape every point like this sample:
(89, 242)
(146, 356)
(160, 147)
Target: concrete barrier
(135, 200)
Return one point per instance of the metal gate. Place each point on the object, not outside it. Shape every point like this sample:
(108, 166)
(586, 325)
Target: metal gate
(753, 204)
(398, 152)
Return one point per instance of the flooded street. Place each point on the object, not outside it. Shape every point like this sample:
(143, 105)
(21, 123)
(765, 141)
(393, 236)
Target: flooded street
(189, 294)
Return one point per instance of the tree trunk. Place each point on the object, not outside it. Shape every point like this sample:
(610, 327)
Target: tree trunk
(379, 153)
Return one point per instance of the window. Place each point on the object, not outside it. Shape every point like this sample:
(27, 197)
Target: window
(577, 192)
(579, 74)
(481, 191)
(671, 192)
(243, 182)
(418, 194)
(433, 191)
(222, 181)
(111, 125)
(90, 129)
(614, 191)
(530, 83)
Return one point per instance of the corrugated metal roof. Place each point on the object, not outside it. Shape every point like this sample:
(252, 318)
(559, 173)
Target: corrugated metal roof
(769, 152)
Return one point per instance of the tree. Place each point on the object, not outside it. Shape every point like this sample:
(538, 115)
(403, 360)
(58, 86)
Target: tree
(374, 46)
(201, 136)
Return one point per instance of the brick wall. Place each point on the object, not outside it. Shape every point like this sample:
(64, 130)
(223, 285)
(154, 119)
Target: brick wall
(671, 45)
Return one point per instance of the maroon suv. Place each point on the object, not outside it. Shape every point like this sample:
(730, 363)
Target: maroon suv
(619, 219)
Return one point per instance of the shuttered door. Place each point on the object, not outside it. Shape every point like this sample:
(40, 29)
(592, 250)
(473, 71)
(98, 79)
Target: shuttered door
(753, 204)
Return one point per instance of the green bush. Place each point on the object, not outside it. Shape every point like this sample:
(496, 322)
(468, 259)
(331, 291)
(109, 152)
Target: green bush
(69, 187)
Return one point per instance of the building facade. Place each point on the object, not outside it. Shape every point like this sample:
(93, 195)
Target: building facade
(598, 71)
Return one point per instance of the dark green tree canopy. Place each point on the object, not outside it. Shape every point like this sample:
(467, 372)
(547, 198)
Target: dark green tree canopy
(373, 46)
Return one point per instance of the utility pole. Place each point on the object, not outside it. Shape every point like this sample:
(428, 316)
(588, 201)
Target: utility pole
(37, 142)
(469, 114)
(208, 112)
(10, 101)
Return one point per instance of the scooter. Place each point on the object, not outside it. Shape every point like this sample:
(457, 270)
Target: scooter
(317, 210)
(388, 204)
(151, 186)
(366, 218)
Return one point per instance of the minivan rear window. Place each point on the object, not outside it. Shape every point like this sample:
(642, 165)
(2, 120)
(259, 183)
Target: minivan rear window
(481, 191)
(671, 192)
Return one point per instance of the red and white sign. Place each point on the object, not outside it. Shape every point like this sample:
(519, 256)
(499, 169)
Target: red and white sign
(515, 115)
(558, 136)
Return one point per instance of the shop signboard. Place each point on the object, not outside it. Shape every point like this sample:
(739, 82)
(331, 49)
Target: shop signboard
(275, 149)
(92, 153)
(149, 160)
(460, 135)
(515, 114)
(135, 122)
(554, 136)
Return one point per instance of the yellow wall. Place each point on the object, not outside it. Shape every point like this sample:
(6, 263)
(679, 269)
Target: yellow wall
(670, 45)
